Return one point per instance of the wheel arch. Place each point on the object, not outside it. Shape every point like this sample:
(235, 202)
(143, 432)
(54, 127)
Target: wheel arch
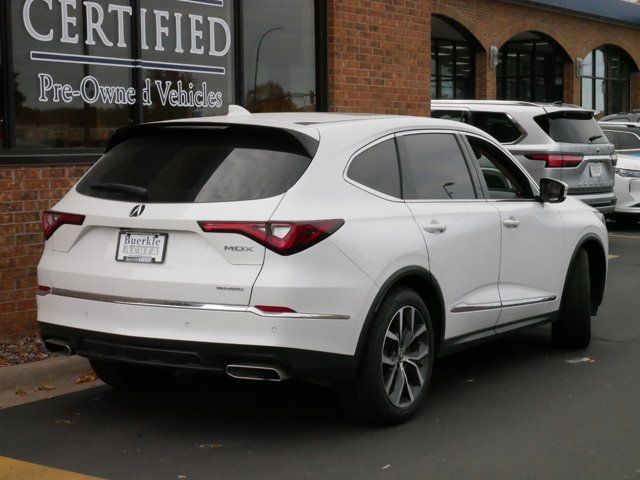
(592, 244)
(423, 282)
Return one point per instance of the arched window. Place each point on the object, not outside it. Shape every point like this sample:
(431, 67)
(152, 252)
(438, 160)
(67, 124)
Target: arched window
(530, 69)
(452, 61)
(606, 75)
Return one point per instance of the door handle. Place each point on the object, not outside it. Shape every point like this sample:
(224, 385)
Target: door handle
(435, 227)
(511, 222)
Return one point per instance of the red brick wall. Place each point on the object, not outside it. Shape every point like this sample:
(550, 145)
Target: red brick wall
(379, 56)
(24, 193)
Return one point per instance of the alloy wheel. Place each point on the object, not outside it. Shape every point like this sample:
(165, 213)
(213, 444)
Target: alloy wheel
(405, 355)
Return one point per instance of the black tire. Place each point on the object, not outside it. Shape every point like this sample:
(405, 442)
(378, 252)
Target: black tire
(573, 327)
(126, 376)
(627, 220)
(365, 398)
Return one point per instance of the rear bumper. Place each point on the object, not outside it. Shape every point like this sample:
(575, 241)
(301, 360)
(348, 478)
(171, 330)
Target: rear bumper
(193, 355)
(603, 202)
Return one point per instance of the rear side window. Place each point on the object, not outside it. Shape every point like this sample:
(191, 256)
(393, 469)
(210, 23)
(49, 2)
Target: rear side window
(434, 168)
(377, 168)
(572, 127)
(498, 125)
(182, 165)
(628, 141)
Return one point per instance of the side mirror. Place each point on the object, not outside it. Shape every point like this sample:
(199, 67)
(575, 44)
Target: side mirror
(552, 191)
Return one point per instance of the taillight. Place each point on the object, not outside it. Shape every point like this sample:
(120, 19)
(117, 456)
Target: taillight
(614, 159)
(284, 238)
(43, 290)
(556, 161)
(51, 221)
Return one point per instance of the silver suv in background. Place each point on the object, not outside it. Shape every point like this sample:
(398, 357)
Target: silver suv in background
(558, 141)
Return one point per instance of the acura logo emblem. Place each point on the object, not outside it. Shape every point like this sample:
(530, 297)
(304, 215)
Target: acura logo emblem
(137, 211)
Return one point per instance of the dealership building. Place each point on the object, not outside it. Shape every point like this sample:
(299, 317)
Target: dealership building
(74, 71)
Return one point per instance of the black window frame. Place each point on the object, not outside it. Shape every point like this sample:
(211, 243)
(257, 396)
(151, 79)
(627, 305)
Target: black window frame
(438, 77)
(502, 78)
(10, 155)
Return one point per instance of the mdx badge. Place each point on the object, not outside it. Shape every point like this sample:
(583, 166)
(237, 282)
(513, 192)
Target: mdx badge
(137, 211)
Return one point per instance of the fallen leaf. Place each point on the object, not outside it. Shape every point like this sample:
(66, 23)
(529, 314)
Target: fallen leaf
(20, 391)
(46, 387)
(182, 477)
(209, 445)
(87, 378)
(387, 466)
(63, 421)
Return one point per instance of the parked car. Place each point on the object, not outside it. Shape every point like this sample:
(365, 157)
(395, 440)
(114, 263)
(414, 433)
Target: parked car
(341, 249)
(550, 140)
(624, 136)
(633, 116)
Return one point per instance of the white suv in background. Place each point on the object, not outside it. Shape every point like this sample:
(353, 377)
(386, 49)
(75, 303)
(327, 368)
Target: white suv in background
(343, 249)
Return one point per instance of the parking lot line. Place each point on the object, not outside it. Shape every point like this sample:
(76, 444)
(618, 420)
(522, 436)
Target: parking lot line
(17, 470)
(615, 235)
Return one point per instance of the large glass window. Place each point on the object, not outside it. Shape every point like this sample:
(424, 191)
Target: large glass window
(434, 168)
(80, 70)
(530, 69)
(279, 55)
(606, 75)
(452, 67)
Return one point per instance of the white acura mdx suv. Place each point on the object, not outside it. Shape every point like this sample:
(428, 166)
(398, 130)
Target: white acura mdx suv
(340, 249)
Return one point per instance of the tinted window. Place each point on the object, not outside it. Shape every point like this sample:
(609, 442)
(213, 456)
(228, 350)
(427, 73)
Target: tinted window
(572, 127)
(612, 136)
(206, 165)
(433, 167)
(628, 141)
(504, 180)
(377, 168)
(498, 125)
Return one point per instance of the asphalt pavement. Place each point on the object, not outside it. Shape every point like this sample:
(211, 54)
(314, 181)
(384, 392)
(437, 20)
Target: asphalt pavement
(513, 409)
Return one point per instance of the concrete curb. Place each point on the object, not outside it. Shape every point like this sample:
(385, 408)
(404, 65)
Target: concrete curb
(58, 374)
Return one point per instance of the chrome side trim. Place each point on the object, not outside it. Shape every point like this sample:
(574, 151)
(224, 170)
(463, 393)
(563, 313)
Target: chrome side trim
(145, 302)
(464, 307)
(529, 301)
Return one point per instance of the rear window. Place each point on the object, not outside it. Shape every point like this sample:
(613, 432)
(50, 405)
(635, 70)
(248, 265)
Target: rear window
(198, 165)
(572, 127)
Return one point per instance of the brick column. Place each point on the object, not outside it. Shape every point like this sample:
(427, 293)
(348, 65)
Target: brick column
(571, 84)
(485, 77)
(379, 56)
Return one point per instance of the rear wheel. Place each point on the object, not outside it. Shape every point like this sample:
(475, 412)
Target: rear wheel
(573, 327)
(396, 363)
(123, 375)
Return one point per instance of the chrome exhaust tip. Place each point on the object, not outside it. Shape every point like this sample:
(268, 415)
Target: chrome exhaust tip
(256, 372)
(58, 346)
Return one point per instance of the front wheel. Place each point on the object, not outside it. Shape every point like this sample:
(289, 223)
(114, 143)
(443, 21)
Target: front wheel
(396, 363)
(573, 327)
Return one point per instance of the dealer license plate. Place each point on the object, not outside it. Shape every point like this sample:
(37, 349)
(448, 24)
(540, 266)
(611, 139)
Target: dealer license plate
(595, 170)
(141, 247)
